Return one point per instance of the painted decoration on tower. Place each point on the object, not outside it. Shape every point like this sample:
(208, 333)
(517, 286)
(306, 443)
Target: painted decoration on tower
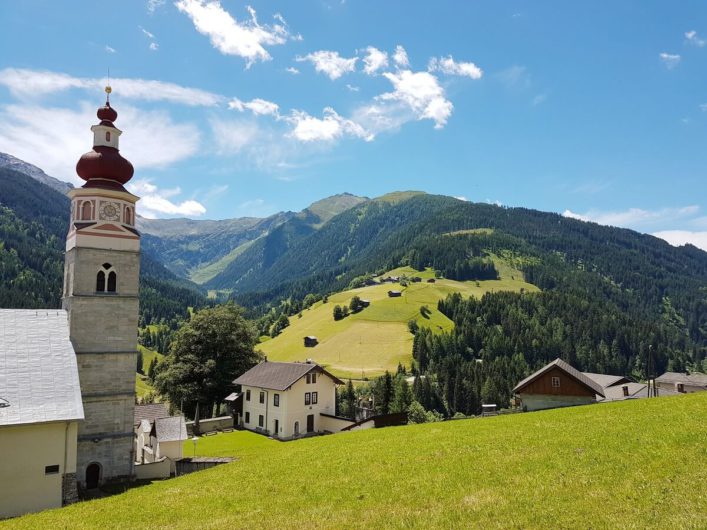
(109, 211)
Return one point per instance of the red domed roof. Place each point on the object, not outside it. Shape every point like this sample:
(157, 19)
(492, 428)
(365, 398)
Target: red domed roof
(104, 162)
(107, 113)
(103, 165)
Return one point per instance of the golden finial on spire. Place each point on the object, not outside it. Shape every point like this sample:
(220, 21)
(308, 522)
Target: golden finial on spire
(108, 90)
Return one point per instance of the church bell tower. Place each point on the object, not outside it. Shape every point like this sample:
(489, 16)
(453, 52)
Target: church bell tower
(101, 275)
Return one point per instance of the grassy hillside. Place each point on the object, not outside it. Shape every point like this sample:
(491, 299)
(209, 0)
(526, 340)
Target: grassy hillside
(376, 339)
(633, 464)
(142, 383)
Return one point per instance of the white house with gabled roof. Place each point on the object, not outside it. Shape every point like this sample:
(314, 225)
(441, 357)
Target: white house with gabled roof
(40, 411)
(288, 400)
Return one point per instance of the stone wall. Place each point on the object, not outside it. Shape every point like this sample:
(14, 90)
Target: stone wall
(69, 489)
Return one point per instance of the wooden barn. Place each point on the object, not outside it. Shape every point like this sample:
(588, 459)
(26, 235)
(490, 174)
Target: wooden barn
(557, 385)
(310, 341)
(394, 294)
(431, 280)
(365, 303)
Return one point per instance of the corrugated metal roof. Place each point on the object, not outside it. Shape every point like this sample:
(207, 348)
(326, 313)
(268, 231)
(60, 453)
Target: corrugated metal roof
(170, 429)
(568, 369)
(39, 376)
(677, 377)
(279, 376)
(605, 380)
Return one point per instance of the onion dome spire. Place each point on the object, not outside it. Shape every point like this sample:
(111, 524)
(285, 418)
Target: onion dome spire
(103, 166)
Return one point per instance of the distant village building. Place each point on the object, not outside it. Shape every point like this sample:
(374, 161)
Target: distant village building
(681, 382)
(416, 279)
(557, 384)
(431, 280)
(40, 411)
(288, 400)
(394, 294)
(310, 341)
(365, 303)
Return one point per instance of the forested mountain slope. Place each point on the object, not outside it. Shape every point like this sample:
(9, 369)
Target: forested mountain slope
(33, 225)
(201, 250)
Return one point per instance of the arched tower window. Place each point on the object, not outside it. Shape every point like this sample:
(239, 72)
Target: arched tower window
(101, 282)
(86, 211)
(128, 216)
(106, 279)
(107, 136)
(111, 282)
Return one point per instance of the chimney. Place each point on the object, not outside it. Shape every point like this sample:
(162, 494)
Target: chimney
(625, 389)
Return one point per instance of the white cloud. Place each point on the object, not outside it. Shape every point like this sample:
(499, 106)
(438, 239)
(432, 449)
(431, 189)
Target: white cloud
(153, 5)
(155, 202)
(330, 63)
(422, 93)
(374, 60)
(154, 46)
(514, 77)
(352, 88)
(540, 98)
(243, 39)
(703, 107)
(669, 60)
(109, 49)
(447, 65)
(693, 39)
(232, 136)
(149, 35)
(56, 149)
(331, 127)
(26, 84)
(634, 217)
(259, 107)
(292, 70)
(462, 198)
(400, 57)
(683, 237)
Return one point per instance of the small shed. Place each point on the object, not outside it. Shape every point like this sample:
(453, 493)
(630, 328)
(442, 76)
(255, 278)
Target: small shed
(431, 280)
(415, 279)
(310, 341)
(489, 409)
(365, 303)
(394, 294)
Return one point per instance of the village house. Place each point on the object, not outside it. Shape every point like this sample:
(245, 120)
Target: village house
(394, 294)
(288, 400)
(310, 341)
(557, 384)
(681, 382)
(40, 411)
(158, 438)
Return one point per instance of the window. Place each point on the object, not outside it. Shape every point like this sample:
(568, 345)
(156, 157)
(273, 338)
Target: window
(276, 400)
(107, 136)
(101, 282)
(309, 378)
(103, 286)
(261, 420)
(247, 395)
(314, 398)
(307, 398)
(247, 417)
(262, 397)
(314, 378)
(681, 387)
(555, 382)
(86, 211)
(128, 216)
(51, 470)
(112, 279)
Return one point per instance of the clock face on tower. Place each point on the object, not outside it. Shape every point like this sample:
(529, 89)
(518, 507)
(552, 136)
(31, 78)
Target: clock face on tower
(109, 211)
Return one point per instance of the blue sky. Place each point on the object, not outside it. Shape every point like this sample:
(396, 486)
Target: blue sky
(597, 110)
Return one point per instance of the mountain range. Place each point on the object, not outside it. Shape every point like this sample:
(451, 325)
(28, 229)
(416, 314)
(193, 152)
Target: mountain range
(341, 239)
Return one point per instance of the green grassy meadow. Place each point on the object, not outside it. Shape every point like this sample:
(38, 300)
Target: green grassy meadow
(632, 464)
(142, 383)
(368, 343)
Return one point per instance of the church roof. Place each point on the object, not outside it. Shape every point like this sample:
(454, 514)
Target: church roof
(39, 378)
